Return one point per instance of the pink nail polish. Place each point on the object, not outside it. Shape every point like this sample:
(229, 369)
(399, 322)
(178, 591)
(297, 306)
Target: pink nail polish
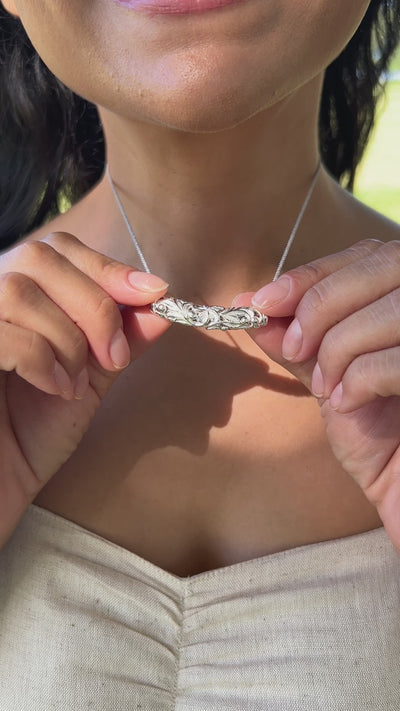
(119, 350)
(336, 397)
(146, 282)
(293, 340)
(81, 384)
(62, 378)
(236, 300)
(317, 382)
(272, 293)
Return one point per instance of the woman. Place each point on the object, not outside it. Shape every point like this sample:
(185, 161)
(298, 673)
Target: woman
(213, 524)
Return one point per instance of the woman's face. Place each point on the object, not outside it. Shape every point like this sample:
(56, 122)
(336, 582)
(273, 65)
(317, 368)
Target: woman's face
(199, 71)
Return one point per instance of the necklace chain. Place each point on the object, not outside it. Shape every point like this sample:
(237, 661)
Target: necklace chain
(211, 317)
(285, 251)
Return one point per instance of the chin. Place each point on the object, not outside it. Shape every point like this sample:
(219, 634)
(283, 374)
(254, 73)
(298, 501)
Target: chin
(204, 108)
(203, 117)
(207, 92)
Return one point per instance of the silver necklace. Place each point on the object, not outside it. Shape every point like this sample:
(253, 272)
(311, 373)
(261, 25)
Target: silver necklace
(212, 317)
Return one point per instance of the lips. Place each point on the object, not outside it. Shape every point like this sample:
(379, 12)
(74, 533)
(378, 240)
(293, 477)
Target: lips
(175, 7)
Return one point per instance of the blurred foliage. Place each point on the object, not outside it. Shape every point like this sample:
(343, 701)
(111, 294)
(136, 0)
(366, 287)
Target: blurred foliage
(395, 65)
(378, 177)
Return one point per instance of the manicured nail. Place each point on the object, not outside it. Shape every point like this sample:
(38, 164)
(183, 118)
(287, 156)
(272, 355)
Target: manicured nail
(62, 378)
(293, 340)
(235, 301)
(119, 350)
(272, 293)
(317, 382)
(81, 384)
(146, 282)
(336, 397)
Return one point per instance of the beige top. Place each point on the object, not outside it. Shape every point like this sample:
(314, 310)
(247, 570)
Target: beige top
(86, 624)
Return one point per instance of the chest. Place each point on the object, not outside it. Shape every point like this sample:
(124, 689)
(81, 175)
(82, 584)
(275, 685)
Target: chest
(203, 454)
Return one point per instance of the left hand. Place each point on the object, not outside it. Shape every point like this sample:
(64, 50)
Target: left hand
(335, 324)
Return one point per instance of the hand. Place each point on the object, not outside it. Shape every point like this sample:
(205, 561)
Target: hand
(335, 324)
(63, 342)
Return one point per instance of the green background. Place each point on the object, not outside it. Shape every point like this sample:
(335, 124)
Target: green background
(378, 177)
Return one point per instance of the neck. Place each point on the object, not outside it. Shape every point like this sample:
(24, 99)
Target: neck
(202, 205)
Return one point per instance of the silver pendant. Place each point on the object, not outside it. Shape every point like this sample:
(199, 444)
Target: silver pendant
(209, 317)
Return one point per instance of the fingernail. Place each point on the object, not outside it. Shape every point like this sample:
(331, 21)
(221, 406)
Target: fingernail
(236, 300)
(62, 378)
(81, 384)
(119, 350)
(293, 340)
(317, 382)
(146, 282)
(271, 293)
(336, 397)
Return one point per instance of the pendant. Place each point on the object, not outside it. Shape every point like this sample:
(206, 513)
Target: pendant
(209, 317)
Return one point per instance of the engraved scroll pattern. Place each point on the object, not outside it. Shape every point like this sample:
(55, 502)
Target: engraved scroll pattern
(209, 317)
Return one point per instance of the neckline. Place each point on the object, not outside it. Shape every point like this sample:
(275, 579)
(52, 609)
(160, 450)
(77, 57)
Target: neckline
(161, 573)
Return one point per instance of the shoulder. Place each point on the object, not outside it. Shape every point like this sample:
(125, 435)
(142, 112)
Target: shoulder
(343, 220)
(365, 222)
(76, 220)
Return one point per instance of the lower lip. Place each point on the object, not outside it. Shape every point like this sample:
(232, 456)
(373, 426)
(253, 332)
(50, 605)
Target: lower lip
(176, 7)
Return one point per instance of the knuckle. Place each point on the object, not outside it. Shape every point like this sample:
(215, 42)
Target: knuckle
(314, 300)
(307, 274)
(390, 251)
(35, 357)
(78, 345)
(107, 310)
(369, 244)
(363, 254)
(36, 349)
(107, 269)
(362, 369)
(387, 310)
(34, 251)
(17, 286)
(371, 373)
(58, 240)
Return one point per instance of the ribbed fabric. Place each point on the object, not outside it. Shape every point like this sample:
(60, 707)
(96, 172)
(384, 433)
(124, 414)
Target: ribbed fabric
(86, 624)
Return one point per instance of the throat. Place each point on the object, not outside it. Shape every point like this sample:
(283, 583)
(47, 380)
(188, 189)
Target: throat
(211, 251)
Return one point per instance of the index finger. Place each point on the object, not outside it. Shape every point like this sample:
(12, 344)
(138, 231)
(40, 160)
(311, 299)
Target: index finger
(126, 285)
(281, 297)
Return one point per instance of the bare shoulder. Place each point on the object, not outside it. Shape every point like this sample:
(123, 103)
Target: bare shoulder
(70, 221)
(52, 226)
(76, 221)
(366, 222)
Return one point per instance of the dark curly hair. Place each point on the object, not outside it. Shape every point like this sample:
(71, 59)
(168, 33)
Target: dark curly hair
(51, 140)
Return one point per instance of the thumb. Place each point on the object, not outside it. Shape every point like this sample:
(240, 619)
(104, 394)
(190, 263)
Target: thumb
(142, 328)
(269, 338)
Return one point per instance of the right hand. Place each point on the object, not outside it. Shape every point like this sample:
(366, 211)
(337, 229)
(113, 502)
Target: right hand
(59, 315)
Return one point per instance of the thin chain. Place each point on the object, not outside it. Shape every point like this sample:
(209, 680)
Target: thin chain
(296, 225)
(124, 215)
(285, 251)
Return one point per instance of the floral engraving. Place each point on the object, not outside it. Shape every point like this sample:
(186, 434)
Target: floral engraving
(209, 317)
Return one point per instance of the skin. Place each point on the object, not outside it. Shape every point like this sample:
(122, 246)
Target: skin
(209, 121)
(183, 115)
